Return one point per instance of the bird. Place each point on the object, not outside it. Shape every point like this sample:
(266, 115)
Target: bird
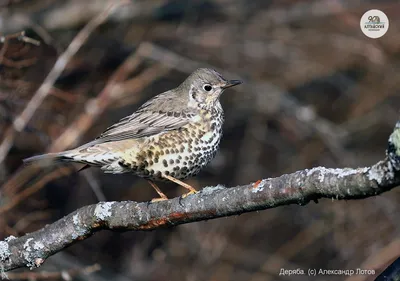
(170, 137)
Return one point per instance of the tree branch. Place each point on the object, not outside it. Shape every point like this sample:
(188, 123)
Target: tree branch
(300, 188)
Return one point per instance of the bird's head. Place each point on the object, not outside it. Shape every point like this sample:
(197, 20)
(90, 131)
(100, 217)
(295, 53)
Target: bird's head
(204, 87)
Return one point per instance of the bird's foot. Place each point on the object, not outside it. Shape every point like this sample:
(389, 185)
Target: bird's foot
(162, 197)
(193, 191)
(154, 200)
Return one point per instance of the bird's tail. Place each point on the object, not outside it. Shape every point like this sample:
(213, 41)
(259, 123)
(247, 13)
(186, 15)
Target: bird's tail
(48, 158)
(45, 160)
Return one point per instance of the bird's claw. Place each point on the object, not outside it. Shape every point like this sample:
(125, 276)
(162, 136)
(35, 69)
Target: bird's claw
(189, 193)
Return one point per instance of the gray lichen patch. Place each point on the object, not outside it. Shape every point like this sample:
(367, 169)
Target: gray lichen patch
(76, 220)
(395, 138)
(339, 173)
(393, 150)
(380, 173)
(80, 228)
(4, 251)
(9, 238)
(27, 254)
(32, 253)
(103, 210)
(37, 245)
(141, 214)
(211, 189)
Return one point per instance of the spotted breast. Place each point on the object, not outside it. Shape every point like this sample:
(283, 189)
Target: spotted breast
(180, 153)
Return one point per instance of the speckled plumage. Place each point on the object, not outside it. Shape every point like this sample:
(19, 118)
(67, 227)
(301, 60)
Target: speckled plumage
(179, 153)
(174, 134)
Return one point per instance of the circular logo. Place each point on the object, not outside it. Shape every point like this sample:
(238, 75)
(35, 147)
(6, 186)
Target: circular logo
(374, 23)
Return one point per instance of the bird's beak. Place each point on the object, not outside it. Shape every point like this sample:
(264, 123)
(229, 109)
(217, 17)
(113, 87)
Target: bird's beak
(231, 83)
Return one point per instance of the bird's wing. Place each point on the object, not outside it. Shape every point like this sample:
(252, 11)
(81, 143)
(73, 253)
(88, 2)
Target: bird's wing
(143, 124)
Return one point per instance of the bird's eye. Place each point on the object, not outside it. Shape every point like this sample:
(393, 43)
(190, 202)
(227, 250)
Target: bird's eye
(207, 87)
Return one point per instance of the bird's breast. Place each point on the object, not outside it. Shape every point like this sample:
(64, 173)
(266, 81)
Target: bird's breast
(179, 153)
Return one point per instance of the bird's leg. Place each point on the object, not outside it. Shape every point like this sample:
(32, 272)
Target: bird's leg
(181, 183)
(158, 190)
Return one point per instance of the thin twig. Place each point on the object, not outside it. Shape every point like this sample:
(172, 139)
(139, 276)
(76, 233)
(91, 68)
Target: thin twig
(18, 198)
(21, 121)
(94, 184)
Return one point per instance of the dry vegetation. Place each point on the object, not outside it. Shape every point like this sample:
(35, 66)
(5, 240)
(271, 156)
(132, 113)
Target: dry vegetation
(316, 92)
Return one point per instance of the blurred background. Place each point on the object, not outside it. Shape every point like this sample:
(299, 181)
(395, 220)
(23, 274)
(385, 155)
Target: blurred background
(317, 91)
